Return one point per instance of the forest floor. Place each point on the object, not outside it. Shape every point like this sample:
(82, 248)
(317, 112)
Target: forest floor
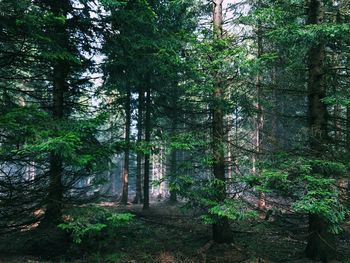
(169, 234)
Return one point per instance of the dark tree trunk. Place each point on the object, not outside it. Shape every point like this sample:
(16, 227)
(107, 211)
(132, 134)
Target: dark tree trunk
(125, 178)
(316, 86)
(173, 167)
(221, 228)
(141, 100)
(344, 188)
(321, 243)
(173, 154)
(53, 213)
(148, 154)
(348, 129)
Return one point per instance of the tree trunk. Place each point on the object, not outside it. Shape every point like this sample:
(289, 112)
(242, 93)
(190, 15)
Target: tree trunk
(345, 185)
(260, 117)
(348, 129)
(141, 101)
(125, 178)
(59, 33)
(173, 167)
(221, 228)
(53, 213)
(147, 155)
(321, 243)
(316, 86)
(173, 154)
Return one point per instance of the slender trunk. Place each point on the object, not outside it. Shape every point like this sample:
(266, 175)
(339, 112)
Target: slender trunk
(153, 173)
(110, 174)
(336, 121)
(221, 228)
(347, 136)
(274, 134)
(125, 177)
(230, 157)
(138, 197)
(348, 129)
(147, 155)
(173, 154)
(173, 167)
(112, 178)
(341, 181)
(260, 117)
(141, 101)
(321, 243)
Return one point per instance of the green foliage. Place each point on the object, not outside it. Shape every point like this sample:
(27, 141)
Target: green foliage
(311, 183)
(182, 184)
(158, 45)
(36, 135)
(144, 147)
(87, 224)
(203, 194)
(119, 220)
(79, 230)
(337, 100)
(276, 180)
(322, 198)
(115, 257)
(232, 209)
(186, 141)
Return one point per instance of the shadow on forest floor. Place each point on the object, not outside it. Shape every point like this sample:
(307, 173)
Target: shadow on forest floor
(169, 234)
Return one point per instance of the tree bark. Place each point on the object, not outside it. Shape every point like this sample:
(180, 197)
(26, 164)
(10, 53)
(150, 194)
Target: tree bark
(141, 100)
(173, 167)
(125, 178)
(53, 213)
(148, 154)
(348, 129)
(260, 117)
(173, 154)
(59, 34)
(321, 243)
(221, 228)
(316, 85)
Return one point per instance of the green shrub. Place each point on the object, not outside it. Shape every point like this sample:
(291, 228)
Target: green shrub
(94, 226)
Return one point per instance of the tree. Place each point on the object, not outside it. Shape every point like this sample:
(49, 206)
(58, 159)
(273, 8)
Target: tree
(129, 69)
(125, 193)
(140, 120)
(58, 34)
(318, 148)
(321, 243)
(148, 127)
(221, 229)
(61, 144)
